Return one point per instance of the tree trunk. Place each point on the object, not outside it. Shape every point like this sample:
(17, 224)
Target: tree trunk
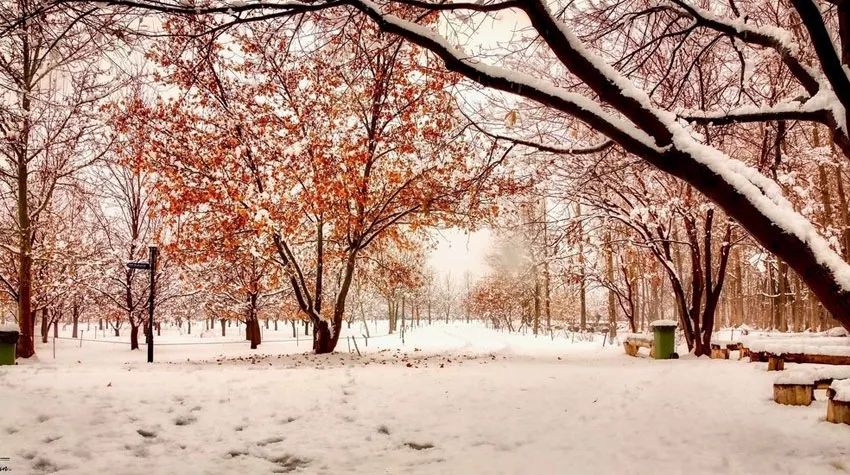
(322, 337)
(75, 316)
(45, 325)
(582, 277)
(26, 319)
(256, 336)
(223, 328)
(536, 324)
(134, 336)
(782, 299)
(609, 273)
(403, 312)
(845, 215)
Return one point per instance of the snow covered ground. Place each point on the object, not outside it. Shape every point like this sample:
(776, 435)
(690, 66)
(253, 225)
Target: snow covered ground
(454, 399)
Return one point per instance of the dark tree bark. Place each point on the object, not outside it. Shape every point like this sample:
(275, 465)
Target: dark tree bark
(134, 336)
(75, 316)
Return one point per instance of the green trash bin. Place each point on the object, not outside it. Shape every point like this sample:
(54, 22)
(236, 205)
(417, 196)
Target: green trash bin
(8, 340)
(665, 338)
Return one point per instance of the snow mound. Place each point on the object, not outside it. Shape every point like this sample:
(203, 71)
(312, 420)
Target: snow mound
(837, 332)
(724, 343)
(9, 327)
(782, 345)
(796, 348)
(809, 375)
(842, 390)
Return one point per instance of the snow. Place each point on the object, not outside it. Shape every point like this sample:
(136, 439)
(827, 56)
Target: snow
(483, 401)
(9, 327)
(811, 345)
(798, 348)
(724, 343)
(664, 323)
(809, 374)
(842, 390)
(837, 332)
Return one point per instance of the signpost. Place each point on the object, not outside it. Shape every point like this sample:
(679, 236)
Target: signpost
(149, 266)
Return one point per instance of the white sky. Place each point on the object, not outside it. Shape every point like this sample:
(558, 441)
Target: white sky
(458, 251)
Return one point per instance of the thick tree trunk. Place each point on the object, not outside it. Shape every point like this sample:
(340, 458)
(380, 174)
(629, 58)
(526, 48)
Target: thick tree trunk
(134, 336)
(256, 335)
(223, 327)
(322, 338)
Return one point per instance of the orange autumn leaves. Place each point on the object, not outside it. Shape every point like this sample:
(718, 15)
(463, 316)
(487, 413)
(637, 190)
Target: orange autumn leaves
(262, 131)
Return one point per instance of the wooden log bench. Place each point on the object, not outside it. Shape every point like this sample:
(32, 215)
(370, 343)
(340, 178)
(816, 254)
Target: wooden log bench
(720, 350)
(797, 387)
(838, 408)
(635, 341)
(776, 360)
(797, 348)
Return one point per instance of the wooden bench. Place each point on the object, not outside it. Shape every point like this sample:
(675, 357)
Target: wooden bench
(776, 361)
(797, 387)
(838, 408)
(635, 341)
(720, 350)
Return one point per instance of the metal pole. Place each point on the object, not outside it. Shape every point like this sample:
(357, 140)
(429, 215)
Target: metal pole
(152, 263)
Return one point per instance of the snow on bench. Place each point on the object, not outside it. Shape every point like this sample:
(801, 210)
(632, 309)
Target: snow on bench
(634, 341)
(799, 349)
(779, 353)
(9, 327)
(796, 386)
(838, 409)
